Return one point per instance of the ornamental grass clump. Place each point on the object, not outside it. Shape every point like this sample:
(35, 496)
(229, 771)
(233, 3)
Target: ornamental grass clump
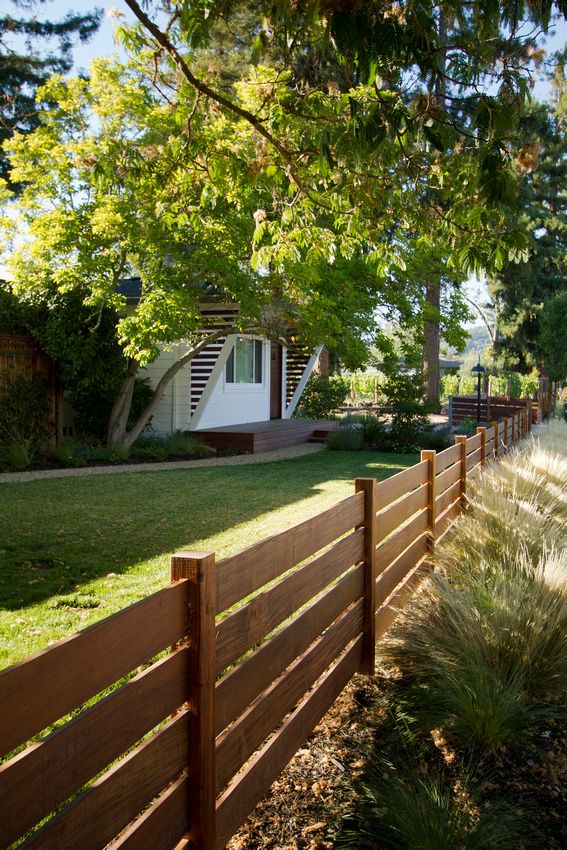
(459, 674)
(484, 644)
(405, 806)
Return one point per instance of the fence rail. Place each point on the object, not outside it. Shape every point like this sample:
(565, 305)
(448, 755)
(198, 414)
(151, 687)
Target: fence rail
(179, 747)
(495, 408)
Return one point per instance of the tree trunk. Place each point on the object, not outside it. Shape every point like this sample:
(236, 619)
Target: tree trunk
(119, 417)
(120, 412)
(431, 354)
(432, 290)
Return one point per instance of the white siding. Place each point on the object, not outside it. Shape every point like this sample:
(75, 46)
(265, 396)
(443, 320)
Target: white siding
(172, 413)
(234, 404)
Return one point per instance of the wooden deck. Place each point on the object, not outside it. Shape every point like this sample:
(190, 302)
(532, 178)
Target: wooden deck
(256, 437)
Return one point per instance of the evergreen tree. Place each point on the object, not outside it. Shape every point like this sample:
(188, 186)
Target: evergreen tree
(24, 67)
(521, 290)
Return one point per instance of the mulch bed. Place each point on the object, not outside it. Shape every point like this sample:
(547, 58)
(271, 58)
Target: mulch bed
(305, 807)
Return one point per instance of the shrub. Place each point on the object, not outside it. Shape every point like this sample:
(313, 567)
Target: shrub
(467, 426)
(373, 433)
(72, 453)
(25, 427)
(345, 440)
(178, 445)
(431, 438)
(322, 396)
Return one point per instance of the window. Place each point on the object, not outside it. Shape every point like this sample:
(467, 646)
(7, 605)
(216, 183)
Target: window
(244, 364)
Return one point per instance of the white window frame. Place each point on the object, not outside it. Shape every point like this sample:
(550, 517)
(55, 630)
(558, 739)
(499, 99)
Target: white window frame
(258, 358)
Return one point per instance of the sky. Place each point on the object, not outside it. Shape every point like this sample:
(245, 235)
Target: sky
(103, 42)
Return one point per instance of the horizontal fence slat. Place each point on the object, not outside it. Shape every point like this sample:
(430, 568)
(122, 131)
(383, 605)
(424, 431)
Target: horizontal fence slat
(474, 443)
(447, 498)
(387, 613)
(242, 684)
(250, 786)
(42, 777)
(242, 738)
(244, 628)
(163, 824)
(403, 482)
(391, 548)
(443, 522)
(117, 797)
(406, 561)
(447, 478)
(52, 683)
(447, 458)
(240, 575)
(393, 516)
(474, 472)
(474, 458)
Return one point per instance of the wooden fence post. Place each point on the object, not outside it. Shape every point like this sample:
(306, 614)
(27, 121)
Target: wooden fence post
(496, 449)
(199, 568)
(482, 432)
(368, 486)
(461, 441)
(430, 456)
(530, 414)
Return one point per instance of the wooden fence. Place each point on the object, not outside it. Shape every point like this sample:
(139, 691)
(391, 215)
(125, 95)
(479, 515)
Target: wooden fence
(497, 407)
(22, 355)
(258, 647)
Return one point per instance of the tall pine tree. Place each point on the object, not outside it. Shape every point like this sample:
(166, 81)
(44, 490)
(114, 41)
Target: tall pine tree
(521, 290)
(30, 51)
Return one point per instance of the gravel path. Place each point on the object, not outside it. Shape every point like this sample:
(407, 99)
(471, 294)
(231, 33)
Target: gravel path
(236, 460)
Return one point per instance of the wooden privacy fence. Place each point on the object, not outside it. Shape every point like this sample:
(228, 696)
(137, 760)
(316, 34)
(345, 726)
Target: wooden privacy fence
(182, 744)
(22, 355)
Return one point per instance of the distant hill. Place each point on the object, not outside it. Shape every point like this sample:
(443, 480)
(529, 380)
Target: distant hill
(479, 339)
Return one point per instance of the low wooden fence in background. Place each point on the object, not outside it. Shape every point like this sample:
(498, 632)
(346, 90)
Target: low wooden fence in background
(257, 646)
(497, 407)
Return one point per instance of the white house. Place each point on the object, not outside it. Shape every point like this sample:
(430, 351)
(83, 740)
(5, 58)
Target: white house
(236, 380)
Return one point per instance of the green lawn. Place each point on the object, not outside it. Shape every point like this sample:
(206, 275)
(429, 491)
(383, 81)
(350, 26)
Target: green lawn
(74, 550)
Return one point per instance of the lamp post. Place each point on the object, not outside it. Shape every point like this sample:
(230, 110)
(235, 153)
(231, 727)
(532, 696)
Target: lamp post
(479, 371)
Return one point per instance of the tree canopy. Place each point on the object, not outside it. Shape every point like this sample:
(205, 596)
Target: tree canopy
(359, 150)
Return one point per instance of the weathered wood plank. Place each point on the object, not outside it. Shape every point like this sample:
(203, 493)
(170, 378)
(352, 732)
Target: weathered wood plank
(239, 687)
(391, 548)
(244, 628)
(400, 484)
(394, 515)
(163, 824)
(474, 458)
(252, 783)
(474, 443)
(447, 498)
(447, 458)
(403, 564)
(474, 472)
(242, 574)
(53, 682)
(390, 610)
(263, 715)
(41, 778)
(446, 518)
(117, 797)
(448, 477)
